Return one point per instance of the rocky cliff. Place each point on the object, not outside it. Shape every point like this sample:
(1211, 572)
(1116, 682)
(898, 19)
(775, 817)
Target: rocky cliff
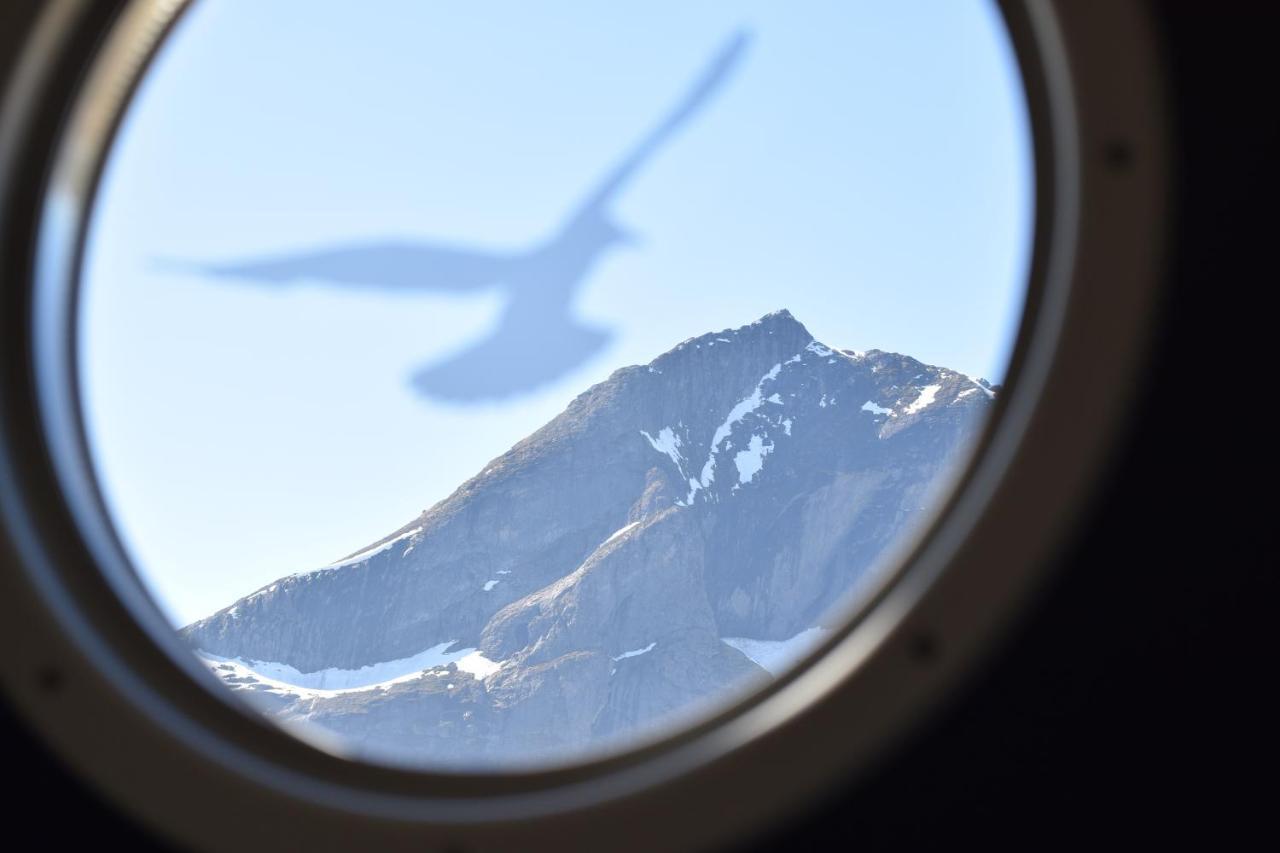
(669, 538)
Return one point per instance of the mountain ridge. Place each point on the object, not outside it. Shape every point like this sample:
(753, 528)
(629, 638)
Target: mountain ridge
(737, 487)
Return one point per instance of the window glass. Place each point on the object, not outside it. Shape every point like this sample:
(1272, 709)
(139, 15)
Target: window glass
(496, 384)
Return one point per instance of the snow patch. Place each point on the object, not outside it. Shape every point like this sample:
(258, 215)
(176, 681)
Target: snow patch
(827, 352)
(489, 585)
(478, 665)
(333, 681)
(237, 676)
(927, 395)
(751, 460)
(619, 532)
(875, 410)
(744, 407)
(818, 349)
(667, 443)
(983, 388)
(635, 652)
(777, 656)
(361, 556)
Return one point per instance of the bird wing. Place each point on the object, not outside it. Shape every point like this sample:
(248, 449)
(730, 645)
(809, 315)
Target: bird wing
(398, 267)
(536, 342)
(715, 75)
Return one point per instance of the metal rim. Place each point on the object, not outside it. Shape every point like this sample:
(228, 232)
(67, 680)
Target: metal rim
(149, 733)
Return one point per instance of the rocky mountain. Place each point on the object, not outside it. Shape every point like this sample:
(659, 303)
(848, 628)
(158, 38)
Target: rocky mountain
(676, 535)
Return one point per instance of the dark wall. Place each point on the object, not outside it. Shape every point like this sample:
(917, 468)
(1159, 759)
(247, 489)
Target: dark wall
(1129, 707)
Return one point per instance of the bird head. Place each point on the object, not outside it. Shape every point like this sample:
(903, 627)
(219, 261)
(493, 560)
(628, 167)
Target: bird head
(597, 231)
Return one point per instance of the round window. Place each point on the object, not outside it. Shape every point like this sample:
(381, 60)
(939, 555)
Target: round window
(479, 387)
(484, 423)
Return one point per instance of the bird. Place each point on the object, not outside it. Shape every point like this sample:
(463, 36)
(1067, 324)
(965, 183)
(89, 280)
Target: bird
(537, 338)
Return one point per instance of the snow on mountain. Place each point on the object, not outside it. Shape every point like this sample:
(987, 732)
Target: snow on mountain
(677, 535)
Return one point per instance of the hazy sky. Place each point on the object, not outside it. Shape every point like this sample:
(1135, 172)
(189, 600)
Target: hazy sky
(868, 168)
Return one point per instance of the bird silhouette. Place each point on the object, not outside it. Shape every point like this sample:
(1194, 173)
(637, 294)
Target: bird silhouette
(537, 338)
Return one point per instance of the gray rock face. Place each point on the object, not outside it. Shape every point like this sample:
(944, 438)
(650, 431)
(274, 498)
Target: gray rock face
(738, 486)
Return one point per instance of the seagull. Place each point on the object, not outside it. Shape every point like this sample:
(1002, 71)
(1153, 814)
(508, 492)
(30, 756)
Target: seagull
(537, 339)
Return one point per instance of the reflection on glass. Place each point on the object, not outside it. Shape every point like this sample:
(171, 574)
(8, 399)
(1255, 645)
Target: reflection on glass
(334, 282)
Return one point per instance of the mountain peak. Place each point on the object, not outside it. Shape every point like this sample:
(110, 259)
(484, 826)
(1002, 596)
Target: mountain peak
(780, 319)
(678, 530)
(774, 333)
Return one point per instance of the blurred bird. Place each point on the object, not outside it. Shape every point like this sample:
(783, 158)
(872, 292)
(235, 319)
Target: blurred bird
(537, 339)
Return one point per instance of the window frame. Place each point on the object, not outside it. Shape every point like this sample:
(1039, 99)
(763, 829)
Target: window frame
(157, 733)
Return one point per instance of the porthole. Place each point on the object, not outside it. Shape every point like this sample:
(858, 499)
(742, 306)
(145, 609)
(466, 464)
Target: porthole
(741, 500)
(654, 469)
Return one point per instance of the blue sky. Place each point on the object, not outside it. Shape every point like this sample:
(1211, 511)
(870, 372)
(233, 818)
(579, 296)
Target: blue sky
(868, 168)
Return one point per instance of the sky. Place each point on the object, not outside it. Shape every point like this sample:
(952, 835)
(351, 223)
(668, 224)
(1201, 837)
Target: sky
(867, 166)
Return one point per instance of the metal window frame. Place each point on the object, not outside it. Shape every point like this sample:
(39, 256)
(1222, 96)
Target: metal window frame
(151, 730)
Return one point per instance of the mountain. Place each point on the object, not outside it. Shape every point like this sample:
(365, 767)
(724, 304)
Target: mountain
(676, 535)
